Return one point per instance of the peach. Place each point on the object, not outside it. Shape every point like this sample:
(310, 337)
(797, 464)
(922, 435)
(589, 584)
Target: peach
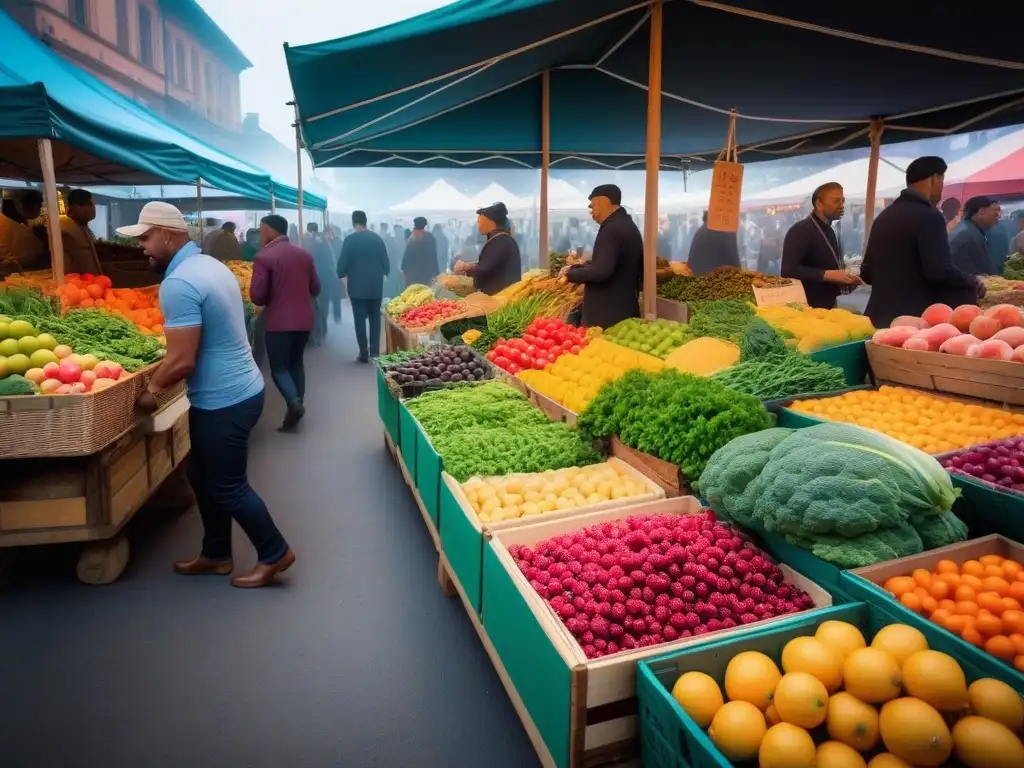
(1014, 336)
(939, 334)
(985, 327)
(50, 386)
(894, 337)
(909, 320)
(959, 345)
(937, 314)
(1018, 355)
(993, 349)
(917, 344)
(1007, 314)
(963, 315)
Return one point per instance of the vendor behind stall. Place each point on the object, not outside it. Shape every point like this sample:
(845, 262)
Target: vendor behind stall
(21, 247)
(613, 278)
(79, 242)
(500, 264)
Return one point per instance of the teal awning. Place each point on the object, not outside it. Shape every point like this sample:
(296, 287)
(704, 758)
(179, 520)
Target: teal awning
(461, 86)
(102, 137)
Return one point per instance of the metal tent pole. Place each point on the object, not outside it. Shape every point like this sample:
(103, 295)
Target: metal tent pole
(875, 134)
(199, 211)
(298, 166)
(545, 167)
(653, 161)
(52, 209)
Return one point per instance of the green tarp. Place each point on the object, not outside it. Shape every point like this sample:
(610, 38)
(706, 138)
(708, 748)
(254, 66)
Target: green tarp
(101, 136)
(461, 86)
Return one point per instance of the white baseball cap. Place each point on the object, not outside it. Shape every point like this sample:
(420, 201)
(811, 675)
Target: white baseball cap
(155, 214)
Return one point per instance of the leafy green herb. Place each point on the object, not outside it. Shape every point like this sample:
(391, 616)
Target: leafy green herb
(782, 375)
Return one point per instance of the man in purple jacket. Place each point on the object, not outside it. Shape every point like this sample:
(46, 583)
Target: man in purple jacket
(284, 283)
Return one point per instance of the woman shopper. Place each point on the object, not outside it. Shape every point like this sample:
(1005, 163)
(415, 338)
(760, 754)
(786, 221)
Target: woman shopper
(207, 346)
(284, 283)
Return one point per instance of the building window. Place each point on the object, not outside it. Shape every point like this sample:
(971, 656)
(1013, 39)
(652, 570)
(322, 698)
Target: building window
(181, 67)
(79, 12)
(145, 35)
(121, 11)
(195, 73)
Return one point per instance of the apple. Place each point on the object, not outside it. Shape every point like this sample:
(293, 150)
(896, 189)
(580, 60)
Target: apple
(88, 378)
(78, 388)
(69, 372)
(51, 369)
(50, 386)
(62, 351)
(35, 375)
(64, 389)
(103, 371)
(88, 362)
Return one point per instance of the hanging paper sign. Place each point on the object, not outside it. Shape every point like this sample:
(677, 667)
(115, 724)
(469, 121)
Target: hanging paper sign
(726, 186)
(780, 295)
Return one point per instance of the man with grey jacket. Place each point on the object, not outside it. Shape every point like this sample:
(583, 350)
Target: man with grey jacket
(968, 242)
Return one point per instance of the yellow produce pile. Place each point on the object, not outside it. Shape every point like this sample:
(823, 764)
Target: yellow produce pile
(535, 281)
(574, 380)
(242, 270)
(895, 702)
(814, 329)
(43, 280)
(931, 423)
(704, 356)
(507, 498)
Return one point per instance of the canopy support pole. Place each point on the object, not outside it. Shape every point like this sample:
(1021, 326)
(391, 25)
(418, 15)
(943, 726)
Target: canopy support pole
(199, 211)
(875, 135)
(298, 169)
(545, 168)
(653, 162)
(52, 210)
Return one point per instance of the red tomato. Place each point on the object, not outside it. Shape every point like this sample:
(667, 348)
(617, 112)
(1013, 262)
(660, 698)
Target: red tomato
(575, 349)
(531, 350)
(567, 345)
(502, 362)
(541, 363)
(514, 369)
(491, 355)
(542, 333)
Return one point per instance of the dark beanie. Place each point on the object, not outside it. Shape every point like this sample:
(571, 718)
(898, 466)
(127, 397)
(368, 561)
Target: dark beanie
(975, 204)
(612, 192)
(419, 223)
(925, 167)
(497, 213)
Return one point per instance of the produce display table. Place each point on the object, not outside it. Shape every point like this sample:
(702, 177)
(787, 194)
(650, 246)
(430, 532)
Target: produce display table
(57, 500)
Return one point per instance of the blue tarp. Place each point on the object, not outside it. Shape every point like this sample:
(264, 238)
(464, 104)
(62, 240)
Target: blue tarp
(462, 85)
(102, 136)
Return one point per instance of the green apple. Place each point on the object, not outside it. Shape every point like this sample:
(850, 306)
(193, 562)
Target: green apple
(18, 364)
(9, 347)
(46, 341)
(20, 328)
(41, 357)
(27, 345)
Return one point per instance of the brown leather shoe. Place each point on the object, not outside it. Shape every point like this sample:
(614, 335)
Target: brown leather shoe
(203, 566)
(262, 575)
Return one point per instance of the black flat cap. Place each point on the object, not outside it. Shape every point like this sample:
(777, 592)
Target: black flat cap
(419, 223)
(611, 191)
(925, 167)
(496, 212)
(975, 204)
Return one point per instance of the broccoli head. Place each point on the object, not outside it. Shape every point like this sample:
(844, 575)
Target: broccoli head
(729, 482)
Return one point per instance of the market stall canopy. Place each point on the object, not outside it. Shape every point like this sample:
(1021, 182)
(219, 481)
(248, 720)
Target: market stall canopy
(996, 170)
(461, 85)
(100, 136)
(183, 196)
(495, 193)
(438, 197)
(853, 176)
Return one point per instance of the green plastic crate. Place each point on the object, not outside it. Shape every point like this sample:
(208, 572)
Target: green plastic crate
(407, 431)
(859, 588)
(670, 739)
(429, 466)
(851, 357)
(802, 561)
(987, 510)
(387, 408)
(462, 541)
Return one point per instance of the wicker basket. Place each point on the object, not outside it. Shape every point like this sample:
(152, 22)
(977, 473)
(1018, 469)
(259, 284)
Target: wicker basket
(40, 426)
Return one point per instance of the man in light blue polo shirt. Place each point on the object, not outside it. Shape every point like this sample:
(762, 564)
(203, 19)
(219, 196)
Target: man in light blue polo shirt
(204, 323)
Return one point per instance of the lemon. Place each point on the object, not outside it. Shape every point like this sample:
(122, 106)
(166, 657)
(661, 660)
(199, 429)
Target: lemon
(801, 699)
(18, 364)
(808, 654)
(9, 347)
(699, 696)
(751, 676)
(787, 746)
(737, 730)
(835, 754)
(46, 341)
(900, 641)
(997, 701)
(5, 329)
(841, 637)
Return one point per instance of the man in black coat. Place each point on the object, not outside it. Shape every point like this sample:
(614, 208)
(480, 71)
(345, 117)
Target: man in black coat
(907, 261)
(500, 264)
(419, 264)
(969, 240)
(613, 278)
(711, 249)
(812, 254)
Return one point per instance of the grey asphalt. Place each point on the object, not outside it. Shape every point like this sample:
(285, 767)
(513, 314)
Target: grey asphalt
(356, 660)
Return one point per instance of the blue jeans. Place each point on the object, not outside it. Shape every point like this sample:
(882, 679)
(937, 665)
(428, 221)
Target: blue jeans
(284, 351)
(217, 471)
(363, 311)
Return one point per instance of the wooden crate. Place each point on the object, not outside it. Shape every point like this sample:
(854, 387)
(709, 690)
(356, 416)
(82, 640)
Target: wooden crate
(995, 380)
(583, 711)
(463, 535)
(180, 440)
(664, 473)
(49, 501)
(553, 409)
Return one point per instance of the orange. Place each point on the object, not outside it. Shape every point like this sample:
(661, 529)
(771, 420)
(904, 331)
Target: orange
(996, 584)
(1011, 568)
(1014, 621)
(946, 566)
(993, 570)
(972, 568)
(1018, 643)
(990, 601)
(940, 616)
(929, 605)
(956, 623)
(966, 608)
(991, 559)
(911, 601)
(949, 605)
(939, 589)
(1009, 604)
(972, 581)
(921, 592)
(897, 585)
(1016, 591)
(953, 579)
(1001, 647)
(1018, 663)
(964, 593)
(924, 579)
(988, 624)
(972, 636)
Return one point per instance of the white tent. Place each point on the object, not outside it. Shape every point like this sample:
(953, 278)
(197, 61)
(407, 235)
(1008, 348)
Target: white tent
(495, 193)
(987, 156)
(852, 175)
(439, 197)
(563, 196)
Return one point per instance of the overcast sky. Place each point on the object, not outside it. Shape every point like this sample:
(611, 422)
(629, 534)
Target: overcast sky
(261, 27)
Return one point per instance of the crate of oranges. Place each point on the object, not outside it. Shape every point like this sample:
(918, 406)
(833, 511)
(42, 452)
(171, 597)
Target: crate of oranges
(140, 306)
(974, 589)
